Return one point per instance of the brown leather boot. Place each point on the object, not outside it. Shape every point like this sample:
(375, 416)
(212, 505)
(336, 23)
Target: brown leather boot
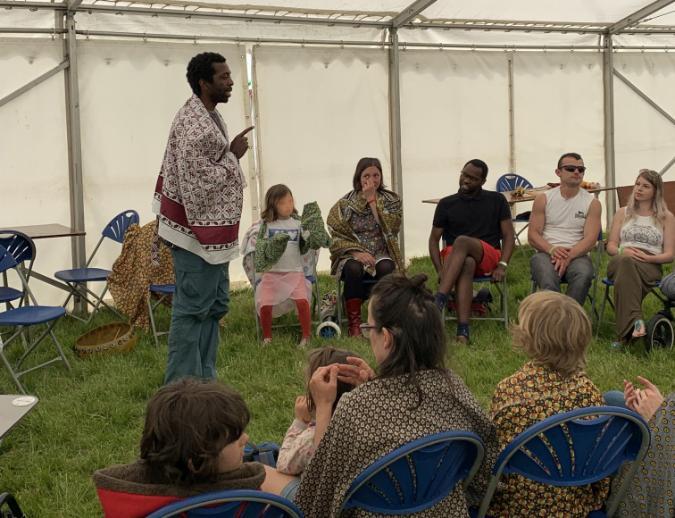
(353, 307)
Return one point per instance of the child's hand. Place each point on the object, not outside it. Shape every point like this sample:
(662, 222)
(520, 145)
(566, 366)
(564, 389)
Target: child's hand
(281, 237)
(323, 386)
(356, 372)
(301, 410)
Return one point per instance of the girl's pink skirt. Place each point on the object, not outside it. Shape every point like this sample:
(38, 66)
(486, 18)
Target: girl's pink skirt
(280, 290)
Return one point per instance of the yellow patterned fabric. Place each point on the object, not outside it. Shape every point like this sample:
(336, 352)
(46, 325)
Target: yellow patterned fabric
(346, 240)
(134, 271)
(530, 395)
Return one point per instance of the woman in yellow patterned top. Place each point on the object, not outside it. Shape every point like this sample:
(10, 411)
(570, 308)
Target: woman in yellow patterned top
(554, 332)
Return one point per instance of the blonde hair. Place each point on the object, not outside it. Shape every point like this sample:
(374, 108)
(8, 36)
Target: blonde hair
(554, 331)
(658, 204)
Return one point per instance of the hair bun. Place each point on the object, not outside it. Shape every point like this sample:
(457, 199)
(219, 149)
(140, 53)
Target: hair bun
(418, 280)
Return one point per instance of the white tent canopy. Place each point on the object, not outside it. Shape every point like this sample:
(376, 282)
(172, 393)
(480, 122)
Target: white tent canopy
(424, 86)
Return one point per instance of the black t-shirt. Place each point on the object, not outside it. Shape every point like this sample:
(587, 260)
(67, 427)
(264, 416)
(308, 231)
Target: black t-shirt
(474, 216)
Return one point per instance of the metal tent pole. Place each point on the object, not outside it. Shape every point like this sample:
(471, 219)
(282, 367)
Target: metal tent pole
(608, 91)
(78, 249)
(395, 128)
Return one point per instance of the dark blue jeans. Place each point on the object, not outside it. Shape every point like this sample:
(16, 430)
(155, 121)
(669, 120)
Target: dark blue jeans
(201, 300)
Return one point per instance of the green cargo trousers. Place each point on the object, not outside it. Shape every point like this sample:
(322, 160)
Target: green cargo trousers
(201, 299)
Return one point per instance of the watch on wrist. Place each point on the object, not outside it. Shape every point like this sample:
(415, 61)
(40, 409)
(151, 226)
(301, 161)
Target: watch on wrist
(504, 264)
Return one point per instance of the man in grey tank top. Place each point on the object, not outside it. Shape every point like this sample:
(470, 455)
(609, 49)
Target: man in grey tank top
(564, 227)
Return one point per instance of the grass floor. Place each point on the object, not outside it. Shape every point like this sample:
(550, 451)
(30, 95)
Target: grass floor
(93, 416)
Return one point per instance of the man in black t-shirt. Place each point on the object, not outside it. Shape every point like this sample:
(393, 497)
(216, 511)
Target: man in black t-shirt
(474, 224)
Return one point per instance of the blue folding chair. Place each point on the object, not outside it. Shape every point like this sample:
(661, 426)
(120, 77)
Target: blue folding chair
(161, 291)
(510, 182)
(241, 503)
(503, 293)
(77, 278)
(22, 249)
(569, 449)
(24, 317)
(417, 475)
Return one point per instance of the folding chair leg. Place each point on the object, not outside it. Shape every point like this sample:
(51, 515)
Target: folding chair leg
(153, 327)
(505, 303)
(602, 311)
(8, 366)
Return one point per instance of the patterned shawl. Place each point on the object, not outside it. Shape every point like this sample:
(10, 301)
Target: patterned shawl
(134, 271)
(389, 211)
(378, 417)
(199, 192)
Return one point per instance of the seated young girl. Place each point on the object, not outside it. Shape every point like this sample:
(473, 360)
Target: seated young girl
(554, 332)
(193, 442)
(282, 240)
(298, 446)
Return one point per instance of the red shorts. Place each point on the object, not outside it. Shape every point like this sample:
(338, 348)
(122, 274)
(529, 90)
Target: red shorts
(491, 257)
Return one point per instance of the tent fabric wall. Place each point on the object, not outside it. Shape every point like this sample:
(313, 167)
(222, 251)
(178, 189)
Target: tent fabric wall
(34, 150)
(644, 138)
(320, 111)
(454, 107)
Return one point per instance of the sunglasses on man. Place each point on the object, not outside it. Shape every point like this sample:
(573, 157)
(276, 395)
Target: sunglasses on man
(572, 168)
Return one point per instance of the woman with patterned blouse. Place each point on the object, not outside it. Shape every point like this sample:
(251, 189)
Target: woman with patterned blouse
(554, 332)
(411, 396)
(364, 226)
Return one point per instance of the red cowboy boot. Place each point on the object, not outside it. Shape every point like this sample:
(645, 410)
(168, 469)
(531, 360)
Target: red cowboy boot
(354, 316)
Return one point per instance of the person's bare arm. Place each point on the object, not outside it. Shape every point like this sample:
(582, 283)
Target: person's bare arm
(535, 231)
(614, 239)
(434, 252)
(591, 231)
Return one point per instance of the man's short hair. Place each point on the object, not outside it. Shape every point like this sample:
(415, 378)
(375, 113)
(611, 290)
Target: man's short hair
(187, 424)
(476, 162)
(576, 156)
(201, 67)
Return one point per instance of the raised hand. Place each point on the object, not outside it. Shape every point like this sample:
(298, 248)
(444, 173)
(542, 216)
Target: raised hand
(239, 144)
(355, 372)
(644, 401)
(323, 386)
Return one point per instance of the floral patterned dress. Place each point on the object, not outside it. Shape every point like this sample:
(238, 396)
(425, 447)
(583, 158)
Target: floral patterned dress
(530, 395)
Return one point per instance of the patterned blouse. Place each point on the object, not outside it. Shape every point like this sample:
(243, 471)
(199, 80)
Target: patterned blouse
(378, 417)
(652, 491)
(529, 395)
(297, 448)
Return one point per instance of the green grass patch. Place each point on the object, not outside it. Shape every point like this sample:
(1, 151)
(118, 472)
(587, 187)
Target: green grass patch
(92, 417)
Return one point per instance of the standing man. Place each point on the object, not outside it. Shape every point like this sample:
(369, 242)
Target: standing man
(198, 199)
(474, 224)
(564, 227)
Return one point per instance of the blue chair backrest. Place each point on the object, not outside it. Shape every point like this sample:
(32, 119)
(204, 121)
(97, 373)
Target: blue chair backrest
(239, 503)
(7, 261)
(118, 226)
(569, 449)
(510, 181)
(417, 475)
(18, 244)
